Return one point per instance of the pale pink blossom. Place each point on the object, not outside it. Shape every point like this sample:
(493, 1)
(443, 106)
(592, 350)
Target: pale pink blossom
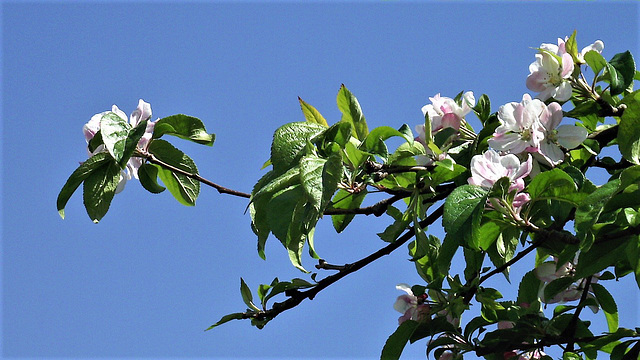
(548, 76)
(444, 112)
(520, 127)
(141, 113)
(410, 306)
(567, 136)
(490, 167)
(597, 46)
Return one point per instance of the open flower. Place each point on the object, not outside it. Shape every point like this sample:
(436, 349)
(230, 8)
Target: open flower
(550, 72)
(444, 112)
(520, 127)
(411, 306)
(490, 167)
(567, 136)
(141, 113)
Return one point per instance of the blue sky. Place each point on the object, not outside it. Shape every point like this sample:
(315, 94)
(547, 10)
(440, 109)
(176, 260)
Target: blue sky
(149, 278)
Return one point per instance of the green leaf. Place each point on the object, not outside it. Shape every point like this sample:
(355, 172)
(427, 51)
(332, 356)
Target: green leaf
(182, 187)
(582, 109)
(339, 133)
(463, 211)
(374, 142)
(595, 61)
(269, 184)
(95, 142)
(311, 114)
(352, 113)
(78, 176)
(282, 286)
(629, 128)
(483, 108)
(320, 178)
(553, 184)
(185, 127)
(346, 200)
(289, 142)
(115, 131)
(528, 288)
(625, 70)
(99, 188)
(571, 356)
(148, 176)
(396, 342)
(247, 297)
(614, 78)
(226, 318)
(589, 211)
(608, 305)
(601, 255)
(633, 257)
(131, 142)
(571, 46)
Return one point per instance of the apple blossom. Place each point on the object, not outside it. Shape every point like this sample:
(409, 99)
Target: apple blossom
(567, 136)
(141, 113)
(444, 112)
(411, 306)
(490, 167)
(597, 46)
(550, 72)
(520, 127)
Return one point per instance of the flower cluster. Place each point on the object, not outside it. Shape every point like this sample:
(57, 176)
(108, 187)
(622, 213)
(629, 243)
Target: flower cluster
(141, 113)
(490, 167)
(443, 112)
(550, 72)
(531, 126)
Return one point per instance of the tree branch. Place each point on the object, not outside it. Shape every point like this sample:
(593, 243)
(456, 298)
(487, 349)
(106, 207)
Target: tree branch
(344, 270)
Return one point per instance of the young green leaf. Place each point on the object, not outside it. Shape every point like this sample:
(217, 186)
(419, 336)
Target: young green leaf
(625, 71)
(289, 142)
(185, 189)
(148, 176)
(78, 176)
(226, 318)
(346, 200)
(595, 61)
(589, 211)
(185, 127)
(608, 305)
(115, 131)
(99, 188)
(396, 342)
(571, 46)
(247, 297)
(131, 142)
(629, 128)
(483, 108)
(352, 113)
(311, 114)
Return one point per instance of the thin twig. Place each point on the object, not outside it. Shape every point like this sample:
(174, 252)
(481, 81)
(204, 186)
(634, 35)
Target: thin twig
(221, 189)
(570, 331)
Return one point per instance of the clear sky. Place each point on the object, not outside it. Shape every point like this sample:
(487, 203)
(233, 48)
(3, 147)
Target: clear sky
(149, 278)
